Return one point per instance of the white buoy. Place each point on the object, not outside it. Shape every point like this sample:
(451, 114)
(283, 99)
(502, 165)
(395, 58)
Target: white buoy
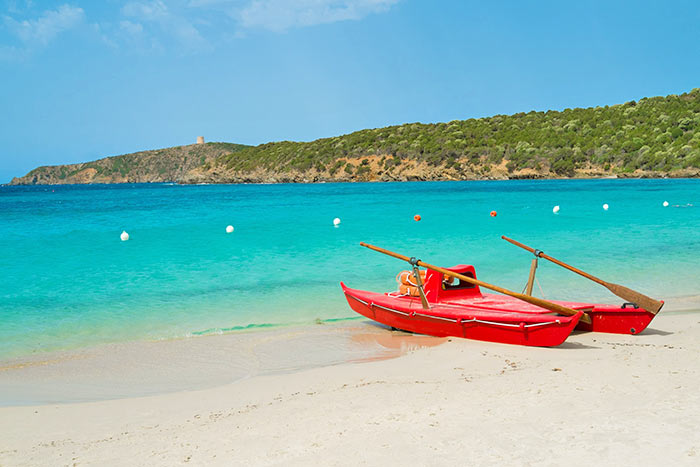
(336, 221)
(555, 209)
(124, 236)
(665, 204)
(229, 229)
(605, 206)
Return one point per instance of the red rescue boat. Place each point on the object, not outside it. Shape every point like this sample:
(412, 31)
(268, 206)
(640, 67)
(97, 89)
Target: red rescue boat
(452, 304)
(456, 311)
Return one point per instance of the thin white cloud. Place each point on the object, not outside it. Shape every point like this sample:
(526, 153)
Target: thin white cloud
(97, 28)
(183, 25)
(133, 37)
(281, 15)
(41, 30)
(206, 3)
(172, 24)
(146, 11)
(189, 35)
(17, 6)
(130, 28)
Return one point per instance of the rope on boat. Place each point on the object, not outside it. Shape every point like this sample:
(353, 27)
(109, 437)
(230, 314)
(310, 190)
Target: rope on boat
(387, 309)
(436, 317)
(396, 294)
(458, 321)
(359, 300)
(538, 285)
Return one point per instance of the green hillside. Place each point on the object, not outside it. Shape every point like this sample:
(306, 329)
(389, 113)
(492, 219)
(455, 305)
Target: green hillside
(658, 134)
(652, 137)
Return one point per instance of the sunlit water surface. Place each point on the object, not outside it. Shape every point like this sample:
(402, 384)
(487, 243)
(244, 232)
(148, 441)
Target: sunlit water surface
(69, 282)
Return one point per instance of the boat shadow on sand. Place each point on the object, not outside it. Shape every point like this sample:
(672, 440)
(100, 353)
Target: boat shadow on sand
(655, 332)
(575, 346)
(396, 338)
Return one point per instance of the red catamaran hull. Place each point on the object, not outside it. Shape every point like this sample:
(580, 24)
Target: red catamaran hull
(616, 320)
(508, 327)
(604, 318)
(462, 310)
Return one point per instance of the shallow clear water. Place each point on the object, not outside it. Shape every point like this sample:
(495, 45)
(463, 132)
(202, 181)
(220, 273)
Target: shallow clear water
(68, 281)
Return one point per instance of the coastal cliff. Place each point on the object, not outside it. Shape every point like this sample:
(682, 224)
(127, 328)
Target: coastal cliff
(160, 165)
(652, 137)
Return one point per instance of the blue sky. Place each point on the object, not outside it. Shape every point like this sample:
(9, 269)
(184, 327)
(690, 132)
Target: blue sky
(82, 79)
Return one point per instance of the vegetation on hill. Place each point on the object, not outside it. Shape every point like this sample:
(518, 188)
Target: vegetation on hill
(658, 135)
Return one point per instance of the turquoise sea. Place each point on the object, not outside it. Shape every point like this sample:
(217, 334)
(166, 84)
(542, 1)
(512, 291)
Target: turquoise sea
(69, 282)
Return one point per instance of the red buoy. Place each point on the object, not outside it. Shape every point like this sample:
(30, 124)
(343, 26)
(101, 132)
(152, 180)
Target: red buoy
(494, 213)
(416, 217)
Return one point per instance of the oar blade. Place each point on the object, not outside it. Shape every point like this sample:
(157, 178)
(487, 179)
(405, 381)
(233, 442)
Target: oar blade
(648, 303)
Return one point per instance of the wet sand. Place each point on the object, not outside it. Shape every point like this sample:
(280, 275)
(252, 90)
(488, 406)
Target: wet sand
(598, 399)
(143, 368)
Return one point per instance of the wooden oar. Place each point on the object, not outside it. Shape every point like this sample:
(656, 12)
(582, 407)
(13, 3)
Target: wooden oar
(526, 298)
(621, 291)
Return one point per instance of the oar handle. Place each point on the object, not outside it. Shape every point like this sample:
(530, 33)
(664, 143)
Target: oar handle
(541, 254)
(526, 298)
(386, 252)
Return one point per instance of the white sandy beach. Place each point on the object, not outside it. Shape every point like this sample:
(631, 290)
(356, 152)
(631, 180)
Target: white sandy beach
(599, 399)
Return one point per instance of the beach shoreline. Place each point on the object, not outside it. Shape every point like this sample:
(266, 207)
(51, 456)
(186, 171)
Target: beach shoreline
(129, 369)
(604, 398)
(118, 370)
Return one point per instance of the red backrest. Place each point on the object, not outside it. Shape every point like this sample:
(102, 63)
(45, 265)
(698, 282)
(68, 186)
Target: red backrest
(438, 290)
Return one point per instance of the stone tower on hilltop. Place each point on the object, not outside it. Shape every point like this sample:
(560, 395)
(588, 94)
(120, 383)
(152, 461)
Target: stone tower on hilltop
(200, 139)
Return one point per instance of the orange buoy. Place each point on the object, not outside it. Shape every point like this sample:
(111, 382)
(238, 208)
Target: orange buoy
(494, 213)
(416, 217)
